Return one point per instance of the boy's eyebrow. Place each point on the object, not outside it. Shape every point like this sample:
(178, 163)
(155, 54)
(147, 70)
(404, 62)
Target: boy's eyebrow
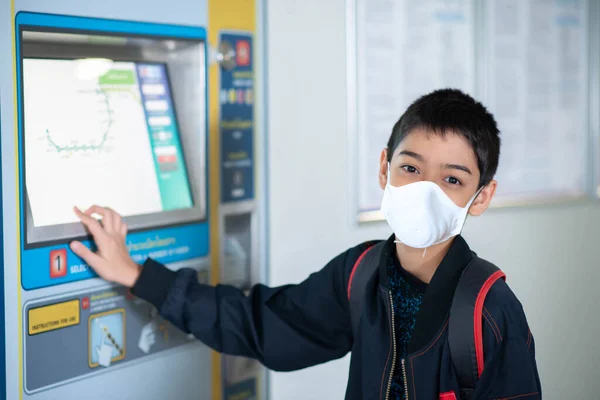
(419, 157)
(411, 154)
(458, 167)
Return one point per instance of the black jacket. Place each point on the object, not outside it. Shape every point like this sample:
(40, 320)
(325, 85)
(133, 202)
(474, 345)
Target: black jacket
(297, 326)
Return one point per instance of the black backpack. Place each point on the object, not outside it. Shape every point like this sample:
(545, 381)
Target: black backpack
(465, 335)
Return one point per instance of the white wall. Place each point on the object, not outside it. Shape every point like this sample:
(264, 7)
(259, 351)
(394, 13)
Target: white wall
(551, 254)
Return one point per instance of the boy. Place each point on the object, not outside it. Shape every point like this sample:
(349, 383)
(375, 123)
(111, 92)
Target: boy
(438, 166)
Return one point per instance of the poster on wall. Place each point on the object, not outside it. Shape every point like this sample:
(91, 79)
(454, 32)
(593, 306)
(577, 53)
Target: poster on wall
(404, 49)
(537, 88)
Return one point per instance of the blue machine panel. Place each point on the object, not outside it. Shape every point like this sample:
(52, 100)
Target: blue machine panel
(53, 263)
(236, 98)
(2, 317)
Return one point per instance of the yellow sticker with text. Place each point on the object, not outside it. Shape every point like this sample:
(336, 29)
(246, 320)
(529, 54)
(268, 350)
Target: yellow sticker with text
(54, 316)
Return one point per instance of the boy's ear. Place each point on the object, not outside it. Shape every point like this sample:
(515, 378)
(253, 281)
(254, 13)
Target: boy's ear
(483, 200)
(383, 169)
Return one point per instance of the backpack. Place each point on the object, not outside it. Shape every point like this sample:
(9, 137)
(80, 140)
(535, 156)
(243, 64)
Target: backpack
(465, 328)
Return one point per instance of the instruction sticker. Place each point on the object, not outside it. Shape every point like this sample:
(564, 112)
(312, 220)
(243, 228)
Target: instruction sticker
(54, 316)
(106, 338)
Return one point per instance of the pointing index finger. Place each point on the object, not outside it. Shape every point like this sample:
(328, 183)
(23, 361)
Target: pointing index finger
(105, 213)
(95, 209)
(91, 223)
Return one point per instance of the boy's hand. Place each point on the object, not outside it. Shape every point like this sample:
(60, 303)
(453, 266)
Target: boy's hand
(112, 261)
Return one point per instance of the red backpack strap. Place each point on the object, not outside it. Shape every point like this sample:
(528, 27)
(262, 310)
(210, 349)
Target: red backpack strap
(465, 329)
(355, 267)
(362, 270)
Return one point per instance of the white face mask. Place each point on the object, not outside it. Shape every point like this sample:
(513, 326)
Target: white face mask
(421, 214)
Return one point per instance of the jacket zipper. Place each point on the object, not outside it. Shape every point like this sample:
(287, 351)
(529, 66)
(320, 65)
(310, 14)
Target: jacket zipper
(405, 380)
(387, 395)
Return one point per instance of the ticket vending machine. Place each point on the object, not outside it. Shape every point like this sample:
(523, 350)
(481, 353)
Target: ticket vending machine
(113, 113)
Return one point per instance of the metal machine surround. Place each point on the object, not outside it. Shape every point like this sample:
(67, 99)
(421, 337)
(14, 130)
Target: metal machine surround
(115, 113)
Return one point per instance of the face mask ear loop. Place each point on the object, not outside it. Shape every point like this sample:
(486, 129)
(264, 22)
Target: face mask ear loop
(475, 197)
(424, 252)
(388, 173)
(469, 206)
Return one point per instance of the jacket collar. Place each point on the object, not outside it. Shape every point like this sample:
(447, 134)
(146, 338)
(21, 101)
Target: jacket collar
(437, 300)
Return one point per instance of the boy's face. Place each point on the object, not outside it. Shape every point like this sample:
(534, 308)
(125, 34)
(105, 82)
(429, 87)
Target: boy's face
(448, 161)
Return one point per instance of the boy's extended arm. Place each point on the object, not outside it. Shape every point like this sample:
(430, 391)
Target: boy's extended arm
(286, 328)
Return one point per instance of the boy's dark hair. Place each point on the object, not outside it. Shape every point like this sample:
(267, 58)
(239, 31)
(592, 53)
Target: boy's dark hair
(450, 110)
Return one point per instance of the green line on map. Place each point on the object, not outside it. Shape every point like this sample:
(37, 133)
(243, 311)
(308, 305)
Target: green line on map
(86, 147)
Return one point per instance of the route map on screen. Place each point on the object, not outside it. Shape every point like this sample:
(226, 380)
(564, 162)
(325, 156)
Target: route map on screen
(110, 140)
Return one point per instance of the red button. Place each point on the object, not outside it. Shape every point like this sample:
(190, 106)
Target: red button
(58, 263)
(85, 303)
(243, 53)
(167, 159)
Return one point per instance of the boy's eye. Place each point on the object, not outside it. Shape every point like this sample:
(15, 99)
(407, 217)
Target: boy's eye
(452, 180)
(410, 169)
